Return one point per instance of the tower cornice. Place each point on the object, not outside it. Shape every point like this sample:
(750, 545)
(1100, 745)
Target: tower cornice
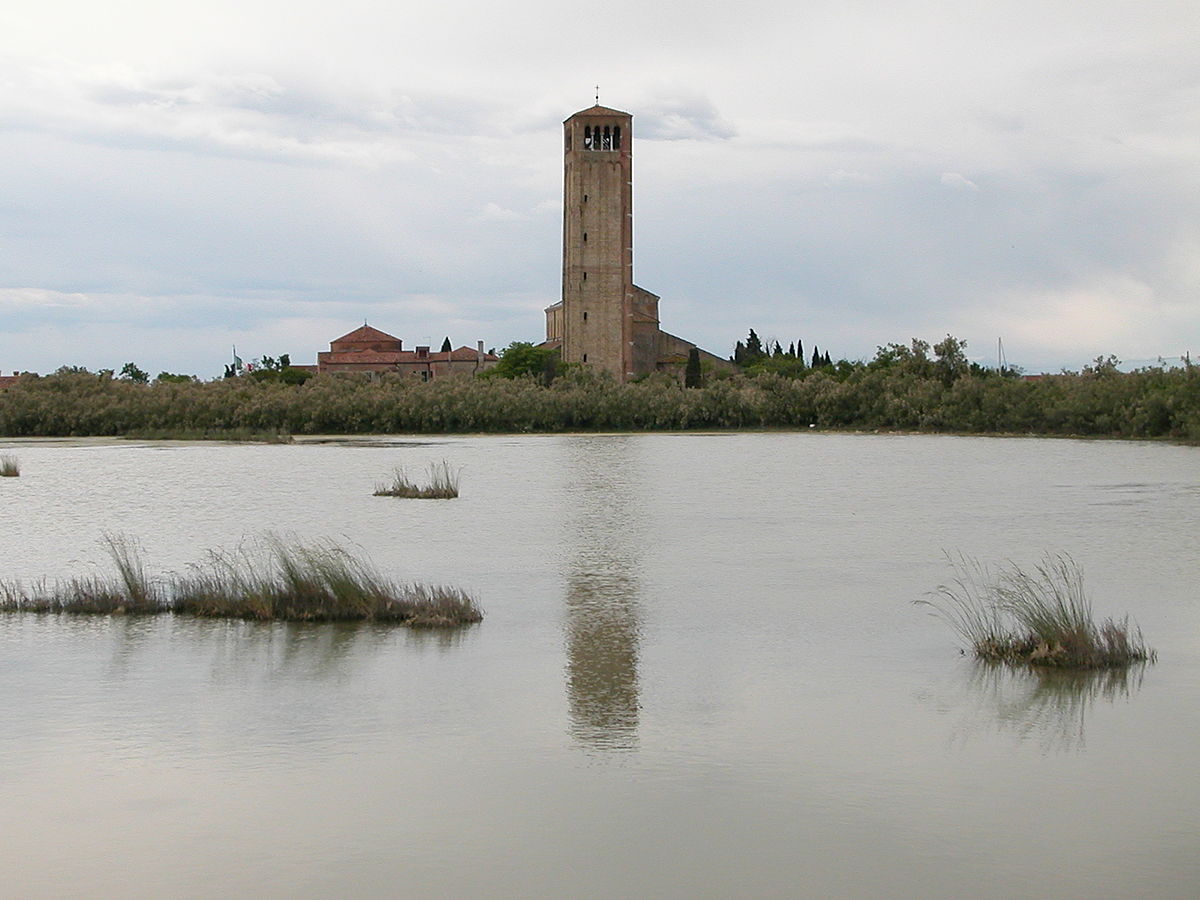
(598, 111)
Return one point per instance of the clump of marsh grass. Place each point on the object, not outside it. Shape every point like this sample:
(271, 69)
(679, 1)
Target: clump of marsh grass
(77, 595)
(139, 592)
(130, 593)
(10, 466)
(282, 579)
(314, 583)
(275, 579)
(1041, 617)
(443, 484)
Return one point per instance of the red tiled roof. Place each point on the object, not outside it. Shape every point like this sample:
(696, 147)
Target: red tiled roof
(599, 110)
(365, 334)
(8, 381)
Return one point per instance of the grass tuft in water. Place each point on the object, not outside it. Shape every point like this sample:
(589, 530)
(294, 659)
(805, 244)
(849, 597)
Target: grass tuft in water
(1041, 617)
(141, 596)
(443, 484)
(10, 466)
(275, 579)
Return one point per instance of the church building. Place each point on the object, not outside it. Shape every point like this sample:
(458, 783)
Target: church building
(369, 351)
(604, 320)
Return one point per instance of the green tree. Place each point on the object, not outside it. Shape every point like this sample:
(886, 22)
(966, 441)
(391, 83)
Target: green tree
(292, 375)
(1103, 367)
(131, 372)
(446, 345)
(521, 358)
(950, 358)
(754, 347)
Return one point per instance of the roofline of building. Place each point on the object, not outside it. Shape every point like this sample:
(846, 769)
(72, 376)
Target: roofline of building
(598, 111)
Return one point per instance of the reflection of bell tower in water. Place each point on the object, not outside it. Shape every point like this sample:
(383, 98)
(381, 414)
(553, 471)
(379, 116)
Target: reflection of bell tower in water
(602, 589)
(597, 289)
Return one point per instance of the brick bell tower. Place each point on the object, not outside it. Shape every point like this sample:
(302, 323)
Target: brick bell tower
(598, 294)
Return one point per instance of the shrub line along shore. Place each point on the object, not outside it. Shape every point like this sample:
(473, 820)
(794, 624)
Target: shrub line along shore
(902, 398)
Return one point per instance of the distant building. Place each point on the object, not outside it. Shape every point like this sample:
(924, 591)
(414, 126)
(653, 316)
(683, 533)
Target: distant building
(369, 350)
(604, 319)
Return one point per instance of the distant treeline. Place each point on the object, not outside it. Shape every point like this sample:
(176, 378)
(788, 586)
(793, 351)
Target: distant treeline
(902, 388)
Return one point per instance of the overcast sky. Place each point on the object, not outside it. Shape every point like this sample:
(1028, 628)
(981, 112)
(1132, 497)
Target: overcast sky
(179, 178)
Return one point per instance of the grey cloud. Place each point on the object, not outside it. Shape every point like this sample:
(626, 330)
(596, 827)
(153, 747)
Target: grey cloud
(123, 96)
(958, 181)
(247, 114)
(682, 118)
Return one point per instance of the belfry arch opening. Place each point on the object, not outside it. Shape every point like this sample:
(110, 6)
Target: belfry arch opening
(601, 137)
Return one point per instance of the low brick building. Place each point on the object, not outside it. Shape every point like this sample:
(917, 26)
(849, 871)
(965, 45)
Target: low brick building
(371, 351)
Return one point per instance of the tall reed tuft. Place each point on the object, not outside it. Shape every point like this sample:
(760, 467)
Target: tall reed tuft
(443, 484)
(283, 579)
(140, 594)
(10, 466)
(276, 579)
(1040, 617)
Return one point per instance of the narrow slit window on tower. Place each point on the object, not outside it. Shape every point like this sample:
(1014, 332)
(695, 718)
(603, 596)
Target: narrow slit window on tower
(585, 357)
(585, 315)
(585, 237)
(617, 137)
(585, 198)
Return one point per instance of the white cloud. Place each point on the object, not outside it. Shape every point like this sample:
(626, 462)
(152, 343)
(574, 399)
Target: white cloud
(958, 182)
(494, 212)
(676, 115)
(1108, 313)
(841, 176)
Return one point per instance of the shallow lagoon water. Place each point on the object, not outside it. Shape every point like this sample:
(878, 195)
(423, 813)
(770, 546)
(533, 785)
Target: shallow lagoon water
(700, 675)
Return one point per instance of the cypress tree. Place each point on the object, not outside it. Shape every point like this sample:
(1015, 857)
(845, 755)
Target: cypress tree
(800, 350)
(792, 350)
(754, 347)
(828, 361)
(816, 359)
(446, 345)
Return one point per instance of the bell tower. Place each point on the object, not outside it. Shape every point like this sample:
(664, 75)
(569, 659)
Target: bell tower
(597, 326)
